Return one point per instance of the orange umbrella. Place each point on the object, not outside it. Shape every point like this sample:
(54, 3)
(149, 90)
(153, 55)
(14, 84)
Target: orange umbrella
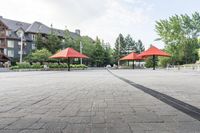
(67, 54)
(153, 51)
(132, 56)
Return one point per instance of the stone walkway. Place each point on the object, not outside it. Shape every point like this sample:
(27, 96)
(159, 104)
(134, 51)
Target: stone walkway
(84, 102)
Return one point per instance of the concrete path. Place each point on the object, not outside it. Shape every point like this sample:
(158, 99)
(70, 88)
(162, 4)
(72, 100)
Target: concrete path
(88, 102)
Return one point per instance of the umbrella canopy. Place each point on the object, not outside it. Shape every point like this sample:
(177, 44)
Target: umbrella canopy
(67, 54)
(153, 51)
(131, 56)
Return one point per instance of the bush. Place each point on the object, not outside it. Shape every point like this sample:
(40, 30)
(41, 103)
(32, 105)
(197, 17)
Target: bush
(14, 67)
(164, 61)
(53, 65)
(24, 65)
(36, 66)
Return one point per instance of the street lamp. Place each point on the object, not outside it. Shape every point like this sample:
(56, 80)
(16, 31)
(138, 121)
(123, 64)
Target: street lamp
(118, 63)
(81, 48)
(20, 33)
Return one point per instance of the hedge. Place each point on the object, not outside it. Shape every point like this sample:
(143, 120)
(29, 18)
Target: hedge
(26, 65)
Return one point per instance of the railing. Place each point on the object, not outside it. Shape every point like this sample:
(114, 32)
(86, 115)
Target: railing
(3, 45)
(2, 34)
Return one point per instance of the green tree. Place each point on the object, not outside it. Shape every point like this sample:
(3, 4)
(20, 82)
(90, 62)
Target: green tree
(130, 44)
(120, 48)
(53, 43)
(39, 42)
(139, 47)
(149, 62)
(98, 54)
(180, 33)
(40, 55)
(68, 40)
(88, 47)
(107, 54)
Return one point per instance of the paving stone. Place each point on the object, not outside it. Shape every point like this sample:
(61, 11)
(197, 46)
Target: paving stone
(95, 102)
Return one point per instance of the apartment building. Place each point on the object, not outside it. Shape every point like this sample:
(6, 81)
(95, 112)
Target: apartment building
(10, 36)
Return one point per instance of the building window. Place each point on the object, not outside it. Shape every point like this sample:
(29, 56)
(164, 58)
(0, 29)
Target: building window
(10, 53)
(33, 37)
(33, 46)
(10, 44)
(5, 51)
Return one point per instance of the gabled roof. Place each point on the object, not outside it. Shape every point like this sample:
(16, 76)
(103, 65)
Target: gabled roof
(14, 25)
(35, 27)
(38, 27)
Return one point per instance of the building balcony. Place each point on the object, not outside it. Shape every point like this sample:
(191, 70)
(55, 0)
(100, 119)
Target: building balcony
(3, 45)
(2, 35)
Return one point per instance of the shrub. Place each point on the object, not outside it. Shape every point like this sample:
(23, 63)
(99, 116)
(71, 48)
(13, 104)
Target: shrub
(36, 66)
(164, 61)
(24, 65)
(149, 62)
(54, 65)
(14, 67)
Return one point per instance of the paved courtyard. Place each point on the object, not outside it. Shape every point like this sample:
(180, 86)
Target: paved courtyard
(94, 101)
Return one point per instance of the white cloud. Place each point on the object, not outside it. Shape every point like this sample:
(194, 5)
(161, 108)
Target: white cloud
(103, 18)
(118, 18)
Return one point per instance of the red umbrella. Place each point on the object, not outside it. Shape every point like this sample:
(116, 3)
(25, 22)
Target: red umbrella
(153, 51)
(67, 54)
(132, 56)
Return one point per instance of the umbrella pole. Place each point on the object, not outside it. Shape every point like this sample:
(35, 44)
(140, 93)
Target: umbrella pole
(68, 62)
(133, 65)
(154, 62)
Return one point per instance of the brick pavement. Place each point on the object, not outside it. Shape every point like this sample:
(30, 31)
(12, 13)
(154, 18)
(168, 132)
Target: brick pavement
(83, 102)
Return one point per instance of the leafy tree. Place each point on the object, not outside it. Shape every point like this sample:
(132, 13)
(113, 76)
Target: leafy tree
(139, 47)
(164, 61)
(53, 43)
(180, 33)
(120, 48)
(39, 42)
(149, 62)
(98, 54)
(130, 44)
(68, 40)
(88, 47)
(107, 54)
(40, 55)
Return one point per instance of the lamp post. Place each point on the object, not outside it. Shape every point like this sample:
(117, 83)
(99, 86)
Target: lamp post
(21, 48)
(119, 51)
(81, 48)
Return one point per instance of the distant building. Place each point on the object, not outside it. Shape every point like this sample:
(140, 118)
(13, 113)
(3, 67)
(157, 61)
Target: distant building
(10, 38)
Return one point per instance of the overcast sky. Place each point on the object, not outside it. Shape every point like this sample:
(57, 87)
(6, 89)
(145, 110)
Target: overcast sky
(103, 18)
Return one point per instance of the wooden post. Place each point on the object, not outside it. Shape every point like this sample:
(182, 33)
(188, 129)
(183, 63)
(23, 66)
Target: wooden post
(68, 62)
(154, 62)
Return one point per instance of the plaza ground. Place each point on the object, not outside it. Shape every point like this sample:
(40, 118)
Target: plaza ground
(95, 101)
